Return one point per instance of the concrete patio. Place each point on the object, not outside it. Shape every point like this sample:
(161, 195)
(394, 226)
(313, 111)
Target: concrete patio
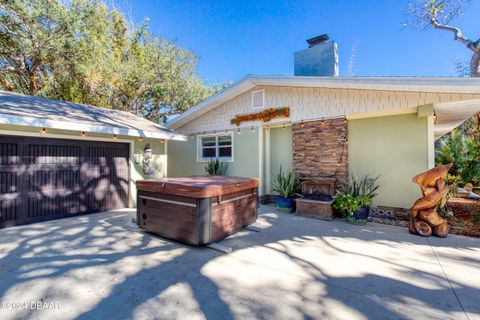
(101, 267)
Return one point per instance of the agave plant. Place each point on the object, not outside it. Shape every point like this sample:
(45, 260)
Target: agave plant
(215, 167)
(285, 184)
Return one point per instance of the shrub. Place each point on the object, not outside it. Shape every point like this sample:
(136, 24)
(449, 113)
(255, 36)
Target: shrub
(215, 167)
(359, 192)
(464, 153)
(285, 184)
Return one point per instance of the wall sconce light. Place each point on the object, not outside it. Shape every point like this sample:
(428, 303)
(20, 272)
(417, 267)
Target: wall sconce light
(148, 167)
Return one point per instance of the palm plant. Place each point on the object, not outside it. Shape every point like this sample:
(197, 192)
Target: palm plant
(464, 153)
(286, 184)
(215, 167)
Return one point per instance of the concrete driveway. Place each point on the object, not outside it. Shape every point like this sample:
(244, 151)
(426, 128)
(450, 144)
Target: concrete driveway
(100, 267)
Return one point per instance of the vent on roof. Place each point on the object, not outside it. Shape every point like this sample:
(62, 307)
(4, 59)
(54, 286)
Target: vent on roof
(258, 99)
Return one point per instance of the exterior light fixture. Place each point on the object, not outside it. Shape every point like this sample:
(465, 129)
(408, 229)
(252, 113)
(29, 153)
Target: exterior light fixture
(83, 134)
(44, 130)
(323, 121)
(148, 167)
(238, 131)
(252, 129)
(115, 137)
(162, 141)
(301, 124)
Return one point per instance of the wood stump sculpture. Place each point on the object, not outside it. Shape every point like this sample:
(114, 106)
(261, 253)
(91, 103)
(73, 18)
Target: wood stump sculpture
(425, 219)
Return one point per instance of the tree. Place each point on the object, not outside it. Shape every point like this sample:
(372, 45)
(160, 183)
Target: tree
(438, 14)
(84, 52)
(31, 37)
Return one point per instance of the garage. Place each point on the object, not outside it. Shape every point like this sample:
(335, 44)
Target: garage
(43, 179)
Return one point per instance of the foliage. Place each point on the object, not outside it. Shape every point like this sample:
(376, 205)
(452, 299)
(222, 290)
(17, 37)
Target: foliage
(359, 191)
(476, 217)
(285, 184)
(215, 167)
(464, 152)
(345, 202)
(82, 51)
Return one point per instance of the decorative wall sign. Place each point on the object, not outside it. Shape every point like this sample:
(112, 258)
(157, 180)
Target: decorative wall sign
(264, 116)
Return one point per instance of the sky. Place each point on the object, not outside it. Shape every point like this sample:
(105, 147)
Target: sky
(235, 38)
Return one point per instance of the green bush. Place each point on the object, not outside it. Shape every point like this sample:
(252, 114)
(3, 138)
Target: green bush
(464, 152)
(285, 184)
(347, 203)
(215, 167)
(359, 192)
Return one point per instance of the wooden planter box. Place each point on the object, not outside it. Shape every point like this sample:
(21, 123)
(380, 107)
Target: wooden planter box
(197, 210)
(315, 209)
(316, 201)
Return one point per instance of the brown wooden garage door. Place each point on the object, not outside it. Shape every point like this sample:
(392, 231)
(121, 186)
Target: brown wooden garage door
(44, 178)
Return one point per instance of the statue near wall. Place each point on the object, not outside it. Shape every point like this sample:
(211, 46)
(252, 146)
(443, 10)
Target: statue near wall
(425, 219)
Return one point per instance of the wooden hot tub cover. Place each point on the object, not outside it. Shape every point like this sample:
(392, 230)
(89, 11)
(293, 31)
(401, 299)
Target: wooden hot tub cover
(198, 186)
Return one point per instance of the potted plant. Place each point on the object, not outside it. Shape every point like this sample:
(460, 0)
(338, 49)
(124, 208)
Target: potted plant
(354, 200)
(286, 185)
(215, 167)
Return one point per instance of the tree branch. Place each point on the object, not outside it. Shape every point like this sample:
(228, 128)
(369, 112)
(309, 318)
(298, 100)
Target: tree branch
(456, 31)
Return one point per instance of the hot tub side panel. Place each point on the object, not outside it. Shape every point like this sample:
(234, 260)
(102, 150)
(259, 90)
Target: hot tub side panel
(234, 212)
(170, 216)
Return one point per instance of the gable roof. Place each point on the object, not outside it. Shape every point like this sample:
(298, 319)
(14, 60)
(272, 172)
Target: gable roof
(414, 84)
(25, 110)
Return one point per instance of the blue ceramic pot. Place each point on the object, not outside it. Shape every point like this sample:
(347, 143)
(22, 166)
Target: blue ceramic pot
(284, 203)
(360, 216)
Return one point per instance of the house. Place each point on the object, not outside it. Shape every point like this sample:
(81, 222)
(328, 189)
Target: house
(325, 126)
(60, 159)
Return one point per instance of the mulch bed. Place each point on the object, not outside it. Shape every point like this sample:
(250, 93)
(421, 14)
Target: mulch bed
(466, 217)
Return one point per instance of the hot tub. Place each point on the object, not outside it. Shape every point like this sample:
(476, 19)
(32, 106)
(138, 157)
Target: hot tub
(198, 209)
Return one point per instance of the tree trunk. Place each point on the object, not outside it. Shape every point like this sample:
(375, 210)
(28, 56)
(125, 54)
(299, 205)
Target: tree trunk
(475, 64)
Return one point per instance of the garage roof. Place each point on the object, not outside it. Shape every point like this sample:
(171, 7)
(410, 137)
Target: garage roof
(419, 84)
(25, 110)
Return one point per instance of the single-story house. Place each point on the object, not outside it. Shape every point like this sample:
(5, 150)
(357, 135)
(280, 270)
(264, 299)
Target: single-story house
(325, 126)
(60, 159)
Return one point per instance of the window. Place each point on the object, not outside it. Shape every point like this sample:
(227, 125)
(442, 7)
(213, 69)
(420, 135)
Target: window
(218, 146)
(258, 99)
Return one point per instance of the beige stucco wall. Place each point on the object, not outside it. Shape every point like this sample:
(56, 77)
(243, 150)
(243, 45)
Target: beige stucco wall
(394, 147)
(136, 148)
(315, 103)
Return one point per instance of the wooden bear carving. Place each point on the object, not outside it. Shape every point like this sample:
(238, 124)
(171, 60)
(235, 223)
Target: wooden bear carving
(425, 219)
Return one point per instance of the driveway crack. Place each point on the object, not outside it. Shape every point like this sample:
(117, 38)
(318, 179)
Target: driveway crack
(449, 282)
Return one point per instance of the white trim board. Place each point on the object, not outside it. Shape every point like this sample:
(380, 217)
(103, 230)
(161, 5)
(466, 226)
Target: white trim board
(76, 126)
(220, 133)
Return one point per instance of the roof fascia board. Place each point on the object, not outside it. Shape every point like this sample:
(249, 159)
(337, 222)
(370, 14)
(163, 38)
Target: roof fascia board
(75, 126)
